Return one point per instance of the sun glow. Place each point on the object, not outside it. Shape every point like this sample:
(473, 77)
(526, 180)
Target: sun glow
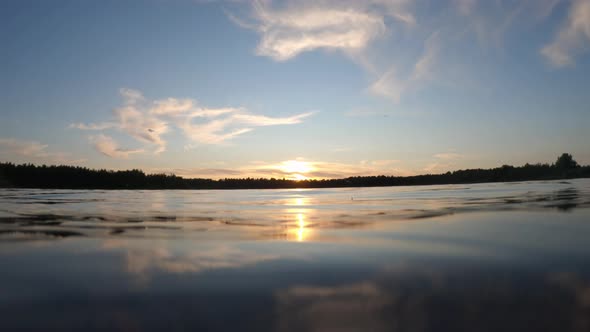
(299, 177)
(296, 166)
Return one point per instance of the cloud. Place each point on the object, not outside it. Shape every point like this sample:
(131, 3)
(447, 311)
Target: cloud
(490, 21)
(448, 156)
(210, 172)
(424, 66)
(107, 146)
(389, 85)
(348, 26)
(172, 106)
(132, 119)
(148, 121)
(393, 83)
(142, 126)
(93, 126)
(23, 148)
(33, 150)
(573, 37)
(287, 33)
(443, 162)
(349, 307)
(303, 26)
(235, 122)
(261, 120)
(384, 36)
(160, 258)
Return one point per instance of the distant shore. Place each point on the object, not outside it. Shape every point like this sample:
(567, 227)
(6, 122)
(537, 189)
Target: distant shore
(72, 177)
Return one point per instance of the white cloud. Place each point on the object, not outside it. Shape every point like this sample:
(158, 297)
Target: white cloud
(23, 148)
(93, 126)
(490, 21)
(423, 69)
(160, 257)
(133, 119)
(261, 120)
(148, 121)
(212, 132)
(573, 37)
(237, 123)
(172, 106)
(302, 26)
(109, 147)
(131, 96)
(32, 150)
(380, 35)
(142, 126)
(389, 85)
(393, 83)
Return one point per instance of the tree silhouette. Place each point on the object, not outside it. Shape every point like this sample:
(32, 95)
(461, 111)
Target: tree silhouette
(566, 161)
(71, 177)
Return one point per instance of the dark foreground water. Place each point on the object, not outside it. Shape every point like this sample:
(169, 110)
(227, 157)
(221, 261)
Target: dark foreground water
(486, 257)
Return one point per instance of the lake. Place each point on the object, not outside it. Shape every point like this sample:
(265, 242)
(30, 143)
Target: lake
(481, 257)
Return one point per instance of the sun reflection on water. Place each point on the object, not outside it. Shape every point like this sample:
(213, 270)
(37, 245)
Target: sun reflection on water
(301, 231)
(299, 228)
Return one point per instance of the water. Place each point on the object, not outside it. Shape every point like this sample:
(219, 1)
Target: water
(485, 257)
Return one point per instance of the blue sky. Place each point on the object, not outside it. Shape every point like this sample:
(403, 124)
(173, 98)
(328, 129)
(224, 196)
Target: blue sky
(294, 88)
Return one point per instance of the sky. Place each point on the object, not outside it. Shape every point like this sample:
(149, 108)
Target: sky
(294, 89)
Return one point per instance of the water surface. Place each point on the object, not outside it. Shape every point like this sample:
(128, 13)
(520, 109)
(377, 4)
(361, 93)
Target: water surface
(483, 257)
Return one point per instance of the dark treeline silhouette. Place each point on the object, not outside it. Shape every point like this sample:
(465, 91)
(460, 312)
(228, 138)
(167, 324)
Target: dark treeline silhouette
(71, 177)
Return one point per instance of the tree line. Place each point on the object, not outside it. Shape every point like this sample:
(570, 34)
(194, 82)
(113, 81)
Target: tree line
(73, 177)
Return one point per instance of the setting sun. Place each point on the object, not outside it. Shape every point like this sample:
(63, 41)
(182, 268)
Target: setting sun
(299, 177)
(296, 166)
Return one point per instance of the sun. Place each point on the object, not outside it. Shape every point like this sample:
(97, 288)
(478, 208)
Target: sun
(299, 177)
(296, 166)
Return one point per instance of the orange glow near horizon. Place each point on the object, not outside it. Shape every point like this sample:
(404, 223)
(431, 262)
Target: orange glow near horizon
(299, 177)
(296, 166)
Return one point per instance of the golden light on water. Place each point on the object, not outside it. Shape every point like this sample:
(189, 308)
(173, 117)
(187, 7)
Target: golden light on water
(301, 231)
(299, 228)
(298, 201)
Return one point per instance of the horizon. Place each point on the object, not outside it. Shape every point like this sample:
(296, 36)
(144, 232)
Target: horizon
(528, 164)
(294, 89)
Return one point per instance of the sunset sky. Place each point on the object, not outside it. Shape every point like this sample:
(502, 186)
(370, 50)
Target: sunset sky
(294, 89)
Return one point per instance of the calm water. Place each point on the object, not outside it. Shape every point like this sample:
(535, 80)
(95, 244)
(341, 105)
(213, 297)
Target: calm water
(485, 257)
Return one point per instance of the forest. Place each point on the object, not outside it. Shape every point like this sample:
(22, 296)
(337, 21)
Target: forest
(73, 177)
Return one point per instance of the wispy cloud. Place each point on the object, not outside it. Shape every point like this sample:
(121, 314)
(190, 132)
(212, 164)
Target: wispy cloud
(149, 121)
(143, 264)
(573, 37)
(109, 147)
(93, 126)
(443, 162)
(394, 82)
(33, 151)
(23, 148)
(361, 29)
(302, 26)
